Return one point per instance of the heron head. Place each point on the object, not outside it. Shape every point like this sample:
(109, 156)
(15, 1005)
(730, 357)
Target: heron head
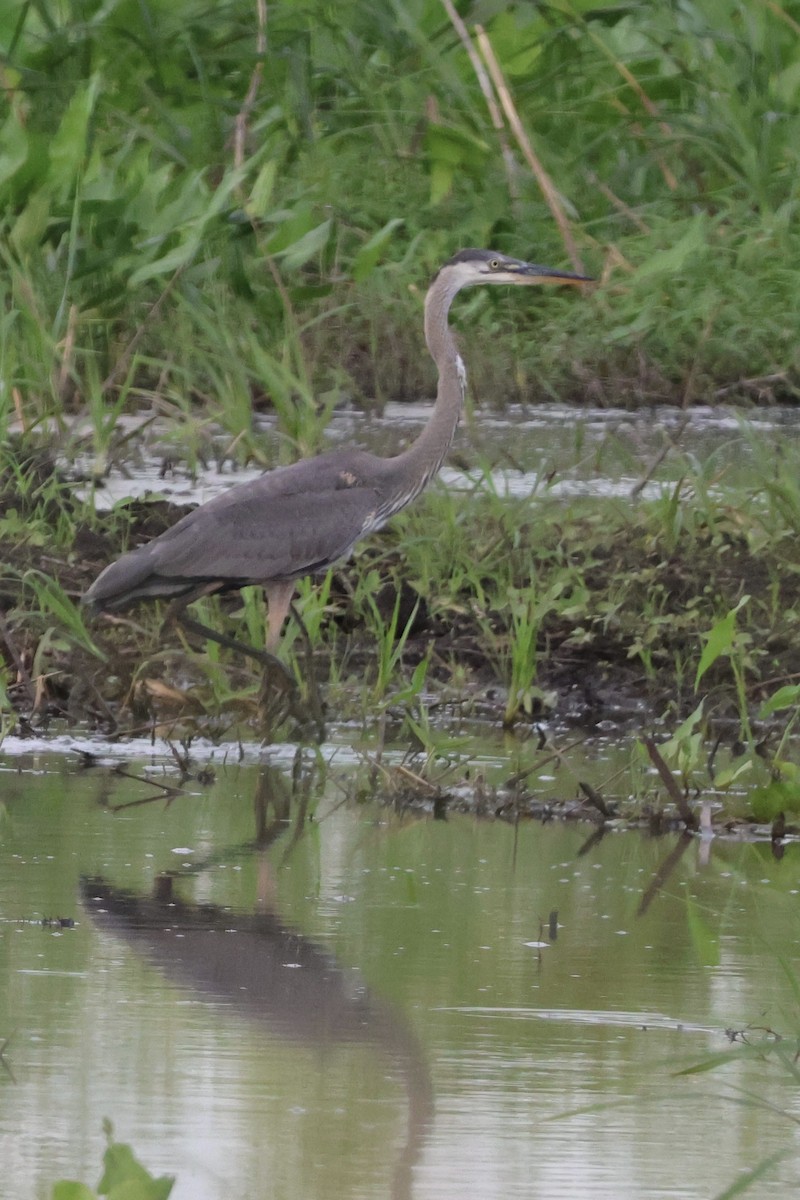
(469, 268)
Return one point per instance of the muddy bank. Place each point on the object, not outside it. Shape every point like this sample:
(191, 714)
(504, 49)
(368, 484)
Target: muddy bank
(626, 652)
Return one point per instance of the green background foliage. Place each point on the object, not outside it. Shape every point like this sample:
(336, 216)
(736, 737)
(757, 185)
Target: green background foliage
(670, 130)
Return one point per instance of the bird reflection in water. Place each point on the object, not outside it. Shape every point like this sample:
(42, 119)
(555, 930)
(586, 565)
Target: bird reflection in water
(317, 1003)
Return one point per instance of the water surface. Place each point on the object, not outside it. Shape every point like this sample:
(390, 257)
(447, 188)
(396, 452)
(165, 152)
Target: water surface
(555, 450)
(284, 993)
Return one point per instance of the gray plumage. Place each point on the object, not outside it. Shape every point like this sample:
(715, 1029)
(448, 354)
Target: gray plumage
(290, 522)
(299, 520)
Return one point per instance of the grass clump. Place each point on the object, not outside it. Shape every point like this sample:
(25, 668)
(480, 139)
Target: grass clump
(195, 208)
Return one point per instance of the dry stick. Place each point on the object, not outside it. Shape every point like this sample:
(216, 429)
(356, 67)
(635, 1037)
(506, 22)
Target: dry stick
(523, 141)
(68, 350)
(125, 357)
(618, 204)
(778, 12)
(663, 872)
(638, 130)
(670, 783)
(16, 396)
(650, 107)
(243, 115)
(756, 383)
(657, 459)
(485, 84)
(595, 799)
(671, 442)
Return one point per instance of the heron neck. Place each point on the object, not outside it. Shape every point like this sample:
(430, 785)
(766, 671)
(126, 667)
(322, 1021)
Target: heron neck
(426, 454)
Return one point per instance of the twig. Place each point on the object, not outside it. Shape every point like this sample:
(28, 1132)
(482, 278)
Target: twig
(779, 12)
(548, 189)
(648, 105)
(67, 350)
(624, 209)
(637, 129)
(671, 442)
(19, 409)
(6, 1065)
(657, 459)
(595, 799)
(556, 755)
(485, 84)
(243, 115)
(125, 356)
(704, 336)
(670, 783)
(416, 779)
(756, 383)
(168, 790)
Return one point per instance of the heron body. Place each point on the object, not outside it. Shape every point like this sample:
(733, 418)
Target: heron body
(298, 520)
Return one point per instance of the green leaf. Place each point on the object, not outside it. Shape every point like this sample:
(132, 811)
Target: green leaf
(744, 1182)
(784, 697)
(673, 260)
(124, 1177)
(367, 257)
(719, 641)
(685, 731)
(68, 1189)
(194, 229)
(733, 774)
(788, 771)
(141, 1189)
(69, 143)
(786, 84)
(298, 254)
(456, 147)
(169, 263)
(776, 797)
(441, 181)
(53, 599)
(261, 191)
(13, 148)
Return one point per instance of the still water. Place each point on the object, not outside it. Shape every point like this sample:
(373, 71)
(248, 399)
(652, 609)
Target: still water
(275, 992)
(554, 450)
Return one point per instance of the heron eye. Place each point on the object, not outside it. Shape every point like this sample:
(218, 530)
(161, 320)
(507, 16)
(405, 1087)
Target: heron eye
(494, 265)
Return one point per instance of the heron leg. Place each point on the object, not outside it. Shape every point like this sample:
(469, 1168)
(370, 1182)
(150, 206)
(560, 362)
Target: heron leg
(270, 661)
(176, 612)
(277, 676)
(279, 594)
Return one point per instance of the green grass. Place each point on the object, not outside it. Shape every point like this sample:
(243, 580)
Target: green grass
(518, 594)
(143, 257)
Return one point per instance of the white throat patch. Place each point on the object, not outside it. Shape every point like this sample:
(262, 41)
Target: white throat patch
(462, 374)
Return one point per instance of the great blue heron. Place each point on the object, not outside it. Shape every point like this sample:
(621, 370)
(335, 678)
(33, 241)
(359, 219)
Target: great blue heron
(298, 520)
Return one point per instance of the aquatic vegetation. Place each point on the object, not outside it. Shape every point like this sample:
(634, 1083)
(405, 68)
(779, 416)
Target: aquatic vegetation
(123, 1175)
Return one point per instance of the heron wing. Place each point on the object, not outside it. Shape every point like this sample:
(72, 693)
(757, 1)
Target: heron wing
(254, 534)
(285, 524)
